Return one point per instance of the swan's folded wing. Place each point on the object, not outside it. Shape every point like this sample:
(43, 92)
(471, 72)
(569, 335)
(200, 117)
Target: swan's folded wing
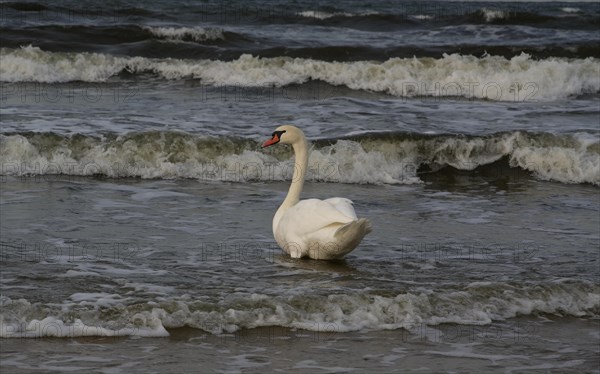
(343, 205)
(311, 215)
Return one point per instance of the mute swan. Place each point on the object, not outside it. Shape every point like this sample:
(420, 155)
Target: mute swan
(320, 229)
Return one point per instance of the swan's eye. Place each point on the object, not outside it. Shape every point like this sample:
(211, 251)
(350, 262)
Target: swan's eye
(278, 133)
(275, 138)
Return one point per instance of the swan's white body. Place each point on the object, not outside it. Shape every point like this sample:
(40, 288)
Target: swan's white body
(319, 229)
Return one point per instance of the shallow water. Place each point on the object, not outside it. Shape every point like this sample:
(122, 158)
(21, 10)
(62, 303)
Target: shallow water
(99, 251)
(499, 347)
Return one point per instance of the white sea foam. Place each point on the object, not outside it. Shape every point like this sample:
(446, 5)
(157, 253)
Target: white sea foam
(570, 10)
(54, 327)
(318, 14)
(489, 77)
(322, 15)
(31, 64)
(568, 159)
(478, 304)
(494, 14)
(343, 162)
(197, 34)
(559, 164)
(17, 323)
(98, 299)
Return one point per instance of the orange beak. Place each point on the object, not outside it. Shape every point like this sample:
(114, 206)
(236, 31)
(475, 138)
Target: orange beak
(273, 140)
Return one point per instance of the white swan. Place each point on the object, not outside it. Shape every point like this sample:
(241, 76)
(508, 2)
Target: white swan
(319, 229)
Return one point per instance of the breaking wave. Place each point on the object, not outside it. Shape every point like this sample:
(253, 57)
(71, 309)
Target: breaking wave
(476, 304)
(489, 77)
(196, 34)
(394, 158)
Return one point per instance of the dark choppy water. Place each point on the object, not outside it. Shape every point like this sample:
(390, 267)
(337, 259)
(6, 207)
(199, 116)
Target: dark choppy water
(136, 201)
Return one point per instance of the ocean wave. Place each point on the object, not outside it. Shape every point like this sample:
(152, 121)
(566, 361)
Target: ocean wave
(488, 77)
(407, 17)
(470, 14)
(392, 158)
(494, 14)
(51, 11)
(476, 304)
(570, 10)
(511, 16)
(397, 16)
(322, 15)
(114, 35)
(422, 16)
(196, 34)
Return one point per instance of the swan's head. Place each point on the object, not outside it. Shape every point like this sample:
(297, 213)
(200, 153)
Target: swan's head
(286, 134)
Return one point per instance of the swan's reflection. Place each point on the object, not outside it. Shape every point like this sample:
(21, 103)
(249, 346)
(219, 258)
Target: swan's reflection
(340, 266)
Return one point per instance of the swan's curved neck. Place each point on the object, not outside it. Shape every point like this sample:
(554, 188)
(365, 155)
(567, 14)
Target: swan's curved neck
(300, 166)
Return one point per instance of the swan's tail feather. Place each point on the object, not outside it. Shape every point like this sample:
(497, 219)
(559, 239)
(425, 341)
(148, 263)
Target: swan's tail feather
(354, 231)
(347, 237)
